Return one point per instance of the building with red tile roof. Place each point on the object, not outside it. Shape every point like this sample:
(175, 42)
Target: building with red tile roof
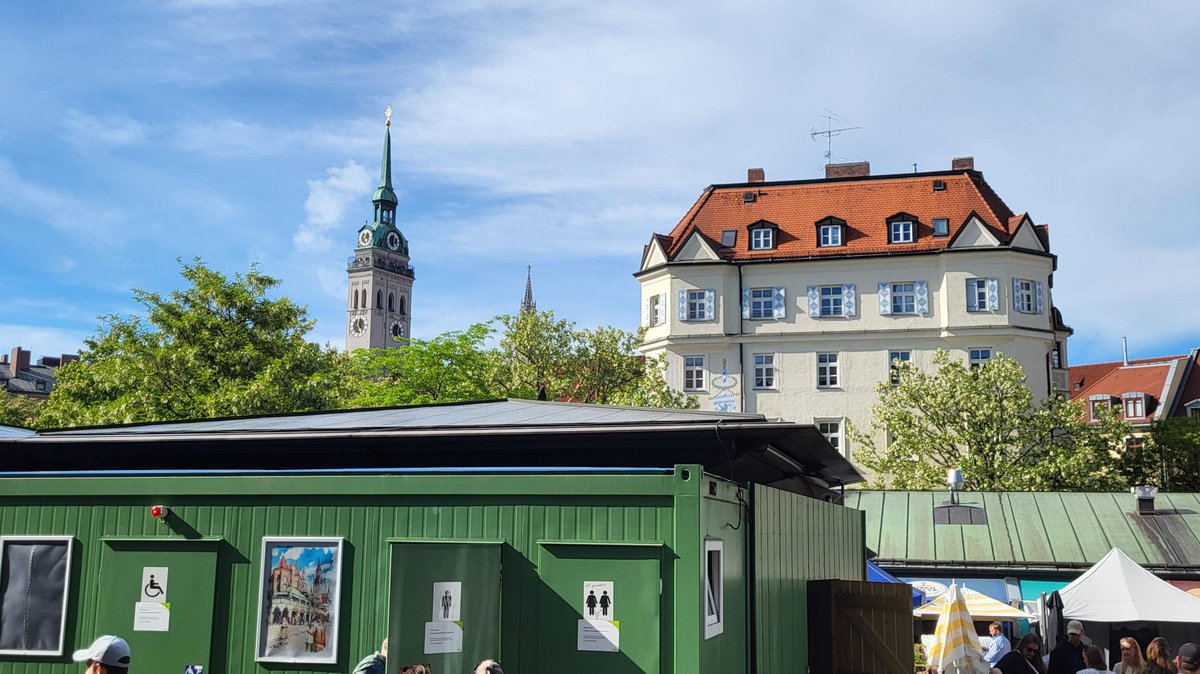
(794, 298)
(1143, 390)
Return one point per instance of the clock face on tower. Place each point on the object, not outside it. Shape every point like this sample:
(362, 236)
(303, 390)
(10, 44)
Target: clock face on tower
(358, 325)
(364, 237)
(393, 241)
(397, 331)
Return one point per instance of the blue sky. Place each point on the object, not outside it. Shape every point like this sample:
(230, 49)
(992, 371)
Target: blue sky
(563, 135)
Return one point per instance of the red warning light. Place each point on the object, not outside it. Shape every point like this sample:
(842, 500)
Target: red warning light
(159, 512)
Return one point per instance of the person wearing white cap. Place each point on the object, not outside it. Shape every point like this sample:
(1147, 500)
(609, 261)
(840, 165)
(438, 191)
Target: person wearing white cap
(1067, 656)
(107, 655)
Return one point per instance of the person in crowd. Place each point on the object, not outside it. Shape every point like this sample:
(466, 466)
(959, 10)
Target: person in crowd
(1131, 657)
(375, 663)
(1158, 657)
(999, 647)
(1067, 656)
(489, 667)
(1093, 657)
(1026, 659)
(1188, 658)
(107, 655)
(417, 669)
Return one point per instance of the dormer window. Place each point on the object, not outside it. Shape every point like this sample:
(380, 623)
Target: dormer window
(831, 232)
(1099, 404)
(901, 231)
(1134, 405)
(762, 235)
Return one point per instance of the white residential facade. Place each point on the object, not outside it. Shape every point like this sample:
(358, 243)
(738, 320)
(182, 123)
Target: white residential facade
(805, 334)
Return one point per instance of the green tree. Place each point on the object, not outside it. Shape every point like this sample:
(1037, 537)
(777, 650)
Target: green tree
(219, 347)
(19, 410)
(1169, 458)
(984, 421)
(452, 367)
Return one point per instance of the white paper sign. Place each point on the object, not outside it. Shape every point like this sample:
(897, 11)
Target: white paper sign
(154, 584)
(447, 601)
(598, 601)
(151, 616)
(599, 635)
(443, 637)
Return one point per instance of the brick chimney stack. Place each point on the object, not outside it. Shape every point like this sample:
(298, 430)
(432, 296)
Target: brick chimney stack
(857, 169)
(962, 164)
(756, 175)
(19, 361)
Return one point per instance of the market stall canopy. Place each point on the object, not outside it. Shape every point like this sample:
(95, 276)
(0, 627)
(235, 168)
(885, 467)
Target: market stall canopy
(1116, 589)
(980, 606)
(878, 575)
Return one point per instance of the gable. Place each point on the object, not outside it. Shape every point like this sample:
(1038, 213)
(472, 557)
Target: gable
(1026, 238)
(654, 256)
(696, 248)
(975, 235)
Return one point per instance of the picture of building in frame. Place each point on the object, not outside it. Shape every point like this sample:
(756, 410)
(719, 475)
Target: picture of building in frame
(298, 613)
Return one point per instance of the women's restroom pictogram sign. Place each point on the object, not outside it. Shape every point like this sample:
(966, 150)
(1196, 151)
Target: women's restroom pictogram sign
(598, 600)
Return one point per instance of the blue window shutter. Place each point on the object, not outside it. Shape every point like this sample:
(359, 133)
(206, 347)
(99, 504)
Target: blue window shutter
(1041, 299)
(922, 297)
(885, 298)
(745, 303)
(1016, 292)
(848, 300)
(646, 312)
(780, 307)
(683, 305)
(993, 292)
(814, 306)
(709, 304)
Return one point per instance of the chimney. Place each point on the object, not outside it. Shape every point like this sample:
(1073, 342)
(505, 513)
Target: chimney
(756, 175)
(857, 169)
(69, 358)
(1145, 499)
(20, 360)
(962, 164)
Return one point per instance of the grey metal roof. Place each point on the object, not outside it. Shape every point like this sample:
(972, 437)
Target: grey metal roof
(10, 432)
(522, 413)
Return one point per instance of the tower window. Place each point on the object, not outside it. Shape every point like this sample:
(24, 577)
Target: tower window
(391, 302)
(355, 293)
(378, 299)
(403, 306)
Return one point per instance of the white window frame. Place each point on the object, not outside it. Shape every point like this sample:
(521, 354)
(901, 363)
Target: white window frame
(696, 373)
(828, 373)
(762, 304)
(1137, 401)
(1026, 298)
(905, 290)
(977, 290)
(66, 596)
(714, 588)
(975, 356)
(830, 236)
(762, 238)
(764, 371)
(657, 310)
(836, 294)
(695, 306)
(902, 355)
(836, 436)
(901, 231)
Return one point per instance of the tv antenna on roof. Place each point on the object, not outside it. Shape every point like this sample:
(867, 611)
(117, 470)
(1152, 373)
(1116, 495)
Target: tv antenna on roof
(830, 118)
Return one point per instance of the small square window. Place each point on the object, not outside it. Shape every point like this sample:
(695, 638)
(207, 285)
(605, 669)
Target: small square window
(904, 298)
(831, 301)
(830, 235)
(764, 370)
(696, 306)
(762, 303)
(762, 238)
(827, 370)
(714, 588)
(901, 231)
(941, 226)
(832, 430)
(729, 238)
(979, 355)
(694, 374)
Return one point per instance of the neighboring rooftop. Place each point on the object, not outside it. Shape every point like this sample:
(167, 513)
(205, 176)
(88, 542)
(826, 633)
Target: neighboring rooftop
(1030, 531)
(1171, 382)
(20, 376)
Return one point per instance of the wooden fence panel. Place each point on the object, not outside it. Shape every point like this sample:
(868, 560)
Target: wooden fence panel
(858, 627)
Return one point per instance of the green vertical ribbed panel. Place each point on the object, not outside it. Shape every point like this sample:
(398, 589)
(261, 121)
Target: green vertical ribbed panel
(797, 539)
(367, 511)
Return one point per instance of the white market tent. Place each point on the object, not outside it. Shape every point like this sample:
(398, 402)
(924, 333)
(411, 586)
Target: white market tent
(1116, 590)
(979, 605)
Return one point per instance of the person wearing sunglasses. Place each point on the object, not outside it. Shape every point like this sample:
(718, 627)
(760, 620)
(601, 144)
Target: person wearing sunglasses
(1025, 659)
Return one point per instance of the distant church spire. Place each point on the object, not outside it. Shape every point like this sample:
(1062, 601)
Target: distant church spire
(528, 304)
(385, 198)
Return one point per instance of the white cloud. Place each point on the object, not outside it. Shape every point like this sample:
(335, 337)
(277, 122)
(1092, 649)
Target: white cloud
(328, 200)
(40, 340)
(89, 131)
(52, 206)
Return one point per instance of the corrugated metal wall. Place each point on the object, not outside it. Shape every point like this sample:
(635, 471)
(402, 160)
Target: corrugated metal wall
(366, 511)
(797, 539)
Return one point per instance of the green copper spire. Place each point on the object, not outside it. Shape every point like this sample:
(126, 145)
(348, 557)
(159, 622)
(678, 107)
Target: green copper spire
(385, 193)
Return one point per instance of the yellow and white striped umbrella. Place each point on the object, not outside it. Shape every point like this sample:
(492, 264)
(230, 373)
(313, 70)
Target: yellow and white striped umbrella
(979, 605)
(956, 646)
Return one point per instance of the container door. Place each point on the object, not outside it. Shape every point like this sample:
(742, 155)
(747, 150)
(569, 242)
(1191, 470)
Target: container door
(159, 596)
(600, 608)
(444, 606)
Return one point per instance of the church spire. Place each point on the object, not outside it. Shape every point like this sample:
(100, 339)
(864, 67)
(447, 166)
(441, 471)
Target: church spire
(385, 198)
(528, 304)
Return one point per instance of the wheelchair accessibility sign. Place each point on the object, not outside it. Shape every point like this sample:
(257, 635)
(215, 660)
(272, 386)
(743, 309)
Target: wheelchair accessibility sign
(154, 584)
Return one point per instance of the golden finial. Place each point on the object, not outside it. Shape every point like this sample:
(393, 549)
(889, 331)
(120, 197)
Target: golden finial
(388, 113)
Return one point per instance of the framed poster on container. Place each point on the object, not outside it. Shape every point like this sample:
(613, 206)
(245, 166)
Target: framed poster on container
(300, 584)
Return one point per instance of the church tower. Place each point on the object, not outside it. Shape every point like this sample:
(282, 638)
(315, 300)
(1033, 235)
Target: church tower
(379, 302)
